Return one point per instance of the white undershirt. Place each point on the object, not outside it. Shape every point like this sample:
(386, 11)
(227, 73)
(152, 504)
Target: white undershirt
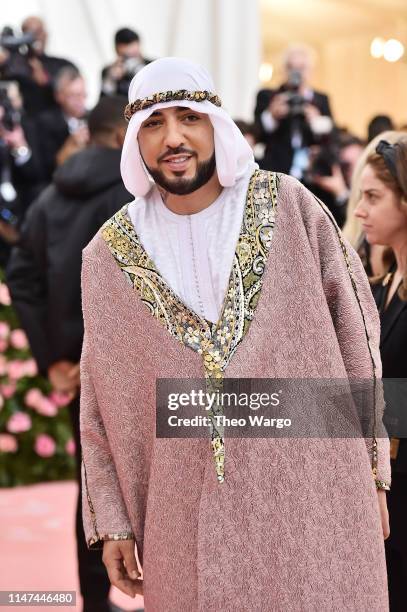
(193, 253)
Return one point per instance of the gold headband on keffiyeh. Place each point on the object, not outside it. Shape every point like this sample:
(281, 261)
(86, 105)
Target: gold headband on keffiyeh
(169, 96)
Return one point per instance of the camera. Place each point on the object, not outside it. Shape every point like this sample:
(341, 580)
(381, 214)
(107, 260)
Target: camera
(11, 117)
(296, 102)
(132, 65)
(23, 44)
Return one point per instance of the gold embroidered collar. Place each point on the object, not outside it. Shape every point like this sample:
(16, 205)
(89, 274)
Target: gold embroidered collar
(216, 342)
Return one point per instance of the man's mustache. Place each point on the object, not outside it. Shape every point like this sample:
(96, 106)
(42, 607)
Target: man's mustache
(176, 151)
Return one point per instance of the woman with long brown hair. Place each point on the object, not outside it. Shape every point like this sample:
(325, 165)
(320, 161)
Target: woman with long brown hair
(382, 211)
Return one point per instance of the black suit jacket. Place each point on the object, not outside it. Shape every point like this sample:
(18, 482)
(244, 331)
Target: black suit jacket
(393, 351)
(53, 131)
(279, 152)
(44, 271)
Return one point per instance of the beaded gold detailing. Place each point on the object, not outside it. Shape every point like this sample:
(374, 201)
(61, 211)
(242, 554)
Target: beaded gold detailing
(382, 485)
(169, 96)
(98, 540)
(215, 342)
(90, 505)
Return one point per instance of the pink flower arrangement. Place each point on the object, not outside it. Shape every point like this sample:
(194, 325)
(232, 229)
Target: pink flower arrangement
(18, 339)
(30, 367)
(35, 399)
(9, 389)
(19, 422)
(60, 399)
(45, 446)
(46, 407)
(8, 443)
(70, 447)
(15, 369)
(4, 295)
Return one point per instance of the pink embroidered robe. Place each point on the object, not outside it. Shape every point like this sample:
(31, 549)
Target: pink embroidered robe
(295, 526)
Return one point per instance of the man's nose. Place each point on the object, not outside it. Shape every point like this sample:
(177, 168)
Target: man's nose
(173, 134)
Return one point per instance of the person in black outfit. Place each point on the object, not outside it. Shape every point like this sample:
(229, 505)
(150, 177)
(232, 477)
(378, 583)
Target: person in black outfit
(63, 129)
(21, 176)
(116, 77)
(382, 210)
(44, 273)
(35, 71)
(285, 116)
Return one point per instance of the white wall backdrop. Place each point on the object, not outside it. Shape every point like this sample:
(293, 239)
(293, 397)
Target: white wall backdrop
(223, 35)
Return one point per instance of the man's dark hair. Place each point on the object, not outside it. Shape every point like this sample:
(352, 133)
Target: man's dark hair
(379, 124)
(67, 74)
(107, 115)
(125, 36)
(347, 139)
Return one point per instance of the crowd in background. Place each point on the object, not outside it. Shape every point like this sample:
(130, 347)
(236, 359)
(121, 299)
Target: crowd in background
(60, 180)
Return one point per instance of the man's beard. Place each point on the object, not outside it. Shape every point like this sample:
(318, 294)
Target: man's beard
(184, 186)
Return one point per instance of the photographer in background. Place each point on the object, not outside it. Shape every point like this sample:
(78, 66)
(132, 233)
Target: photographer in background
(286, 116)
(64, 129)
(331, 166)
(116, 77)
(21, 177)
(24, 60)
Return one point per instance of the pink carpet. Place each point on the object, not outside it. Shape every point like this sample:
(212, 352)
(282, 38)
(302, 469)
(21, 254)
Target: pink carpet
(37, 542)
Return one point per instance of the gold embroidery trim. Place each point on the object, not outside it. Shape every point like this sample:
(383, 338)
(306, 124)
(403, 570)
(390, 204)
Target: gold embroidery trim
(111, 536)
(382, 485)
(216, 342)
(90, 504)
(169, 96)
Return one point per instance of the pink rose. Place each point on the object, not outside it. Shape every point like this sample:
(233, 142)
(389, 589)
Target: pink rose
(60, 399)
(4, 330)
(3, 345)
(19, 422)
(46, 407)
(70, 447)
(30, 367)
(45, 445)
(18, 339)
(4, 295)
(33, 397)
(8, 443)
(15, 369)
(9, 389)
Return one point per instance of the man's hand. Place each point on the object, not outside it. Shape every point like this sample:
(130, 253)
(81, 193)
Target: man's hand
(278, 107)
(311, 111)
(384, 513)
(121, 565)
(116, 70)
(39, 74)
(64, 377)
(14, 138)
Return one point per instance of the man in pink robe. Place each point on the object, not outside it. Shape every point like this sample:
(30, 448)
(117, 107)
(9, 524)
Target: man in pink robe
(215, 270)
